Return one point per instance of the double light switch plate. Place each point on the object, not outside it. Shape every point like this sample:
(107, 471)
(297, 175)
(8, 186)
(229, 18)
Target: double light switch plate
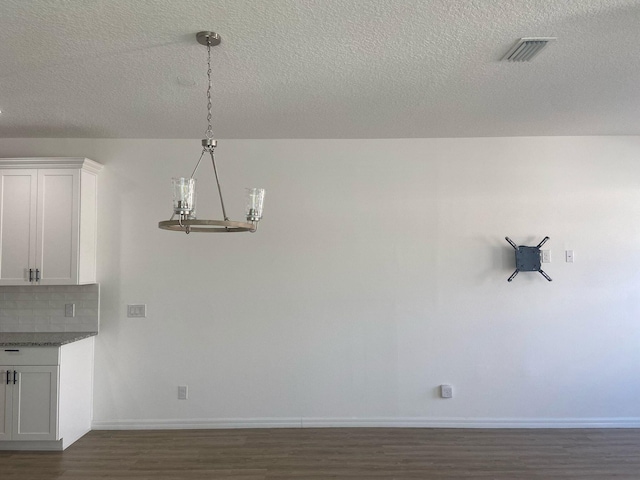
(137, 311)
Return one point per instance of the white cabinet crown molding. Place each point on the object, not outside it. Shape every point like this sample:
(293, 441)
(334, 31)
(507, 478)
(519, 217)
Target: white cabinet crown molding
(52, 162)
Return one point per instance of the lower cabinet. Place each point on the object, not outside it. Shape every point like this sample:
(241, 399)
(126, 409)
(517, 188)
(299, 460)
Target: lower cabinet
(30, 403)
(45, 395)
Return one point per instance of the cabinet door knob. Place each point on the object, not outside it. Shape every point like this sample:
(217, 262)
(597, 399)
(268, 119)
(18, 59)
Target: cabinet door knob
(8, 377)
(31, 274)
(37, 274)
(15, 377)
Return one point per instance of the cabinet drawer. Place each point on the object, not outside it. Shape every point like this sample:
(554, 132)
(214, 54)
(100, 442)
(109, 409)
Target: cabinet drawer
(16, 356)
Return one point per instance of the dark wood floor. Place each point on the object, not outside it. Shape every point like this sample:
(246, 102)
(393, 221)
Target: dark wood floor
(364, 453)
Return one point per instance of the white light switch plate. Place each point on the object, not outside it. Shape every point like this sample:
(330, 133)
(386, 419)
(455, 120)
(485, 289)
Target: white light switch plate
(569, 256)
(137, 311)
(70, 310)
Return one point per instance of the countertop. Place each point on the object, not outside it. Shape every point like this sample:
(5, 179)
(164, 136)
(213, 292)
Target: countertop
(42, 339)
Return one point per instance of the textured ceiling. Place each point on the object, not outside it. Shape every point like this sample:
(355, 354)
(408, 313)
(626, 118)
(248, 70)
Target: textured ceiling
(317, 68)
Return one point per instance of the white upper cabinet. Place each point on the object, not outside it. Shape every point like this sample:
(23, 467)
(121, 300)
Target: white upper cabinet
(18, 199)
(48, 221)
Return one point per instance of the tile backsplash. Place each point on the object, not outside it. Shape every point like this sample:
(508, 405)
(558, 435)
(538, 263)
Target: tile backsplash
(41, 308)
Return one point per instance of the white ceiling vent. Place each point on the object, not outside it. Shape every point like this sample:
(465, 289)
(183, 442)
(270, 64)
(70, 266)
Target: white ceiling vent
(527, 48)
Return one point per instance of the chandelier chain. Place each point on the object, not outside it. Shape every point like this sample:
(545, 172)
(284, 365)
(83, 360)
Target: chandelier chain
(209, 132)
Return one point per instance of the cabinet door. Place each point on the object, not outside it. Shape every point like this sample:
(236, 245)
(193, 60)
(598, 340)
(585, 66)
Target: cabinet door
(18, 194)
(5, 404)
(35, 404)
(57, 226)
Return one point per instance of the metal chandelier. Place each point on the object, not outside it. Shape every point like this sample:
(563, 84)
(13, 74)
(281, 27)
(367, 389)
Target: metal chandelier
(184, 189)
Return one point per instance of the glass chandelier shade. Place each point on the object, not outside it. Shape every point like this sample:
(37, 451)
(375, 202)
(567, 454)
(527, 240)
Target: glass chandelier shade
(184, 189)
(254, 203)
(184, 197)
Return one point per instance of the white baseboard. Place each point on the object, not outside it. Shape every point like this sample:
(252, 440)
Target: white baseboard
(456, 422)
(380, 422)
(175, 424)
(36, 445)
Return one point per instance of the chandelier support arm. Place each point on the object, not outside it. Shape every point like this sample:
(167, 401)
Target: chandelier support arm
(198, 164)
(215, 171)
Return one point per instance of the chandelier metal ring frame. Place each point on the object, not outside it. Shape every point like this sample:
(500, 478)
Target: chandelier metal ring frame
(184, 189)
(212, 226)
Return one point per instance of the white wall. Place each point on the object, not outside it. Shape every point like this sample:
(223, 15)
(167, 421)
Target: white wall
(378, 273)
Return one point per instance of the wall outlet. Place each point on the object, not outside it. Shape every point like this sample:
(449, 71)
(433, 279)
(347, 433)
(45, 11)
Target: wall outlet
(545, 256)
(446, 391)
(70, 310)
(183, 392)
(137, 311)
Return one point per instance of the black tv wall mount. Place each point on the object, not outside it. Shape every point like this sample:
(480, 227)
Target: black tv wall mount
(527, 259)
